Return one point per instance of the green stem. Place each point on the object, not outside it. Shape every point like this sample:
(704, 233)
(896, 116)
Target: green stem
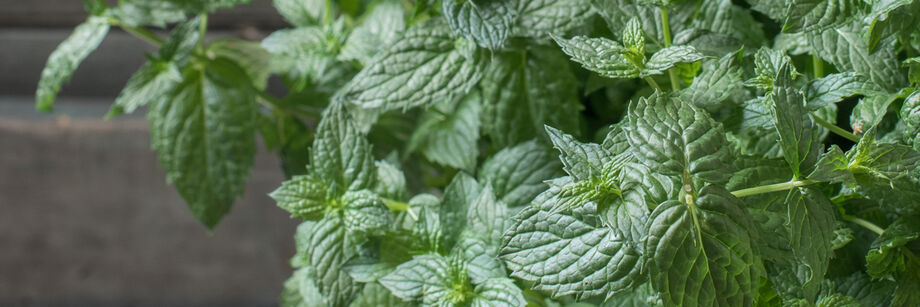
(817, 66)
(202, 30)
(836, 130)
(864, 223)
(144, 34)
(396, 205)
(653, 84)
(666, 28)
(783, 186)
(327, 14)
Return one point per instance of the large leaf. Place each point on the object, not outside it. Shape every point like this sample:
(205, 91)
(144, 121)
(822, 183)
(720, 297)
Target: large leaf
(797, 130)
(540, 17)
(305, 197)
(599, 55)
(425, 66)
(300, 12)
(462, 191)
(702, 252)
(526, 90)
(447, 133)
(341, 155)
(677, 138)
(819, 15)
(485, 22)
(517, 173)
(811, 232)
(67, 57)
(203, 132)
(569, 253)
(330, 247)
(380, 28)
(847, 49)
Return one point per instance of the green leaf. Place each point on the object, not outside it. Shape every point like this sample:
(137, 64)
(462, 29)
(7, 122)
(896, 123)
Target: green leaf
(569, 253)
(250, 56)
(599, 55)
(768, 63)
(497, 292)
(832, 167)
(527, 90)
(888, 255)
(203, 132)
(341, 155)
(422, 68)
(378, 29)
(206, 6)
(375, 295)
(161, 75)
(67, 57)
(885, 161)
(584, 161)
(300, 12)
(447, 133)
(537, 18)
(517, 173)
(910, 117)
(797, 130)
(838, 300)
(306, 52)
(422, 278)
(305, 197)
(868, 292)
(870, 111)
(365, 212)
(139, 13)
(820, 15)
(848, 51)
(720, 81)
(811, 229)
(300, 291)
(462, 191)
(666, 58)
(701, 251)
(634, 37)
(391, 181)
(331, 246)
(835, 87)
(484, 22)
(677, 138)
(487, 218)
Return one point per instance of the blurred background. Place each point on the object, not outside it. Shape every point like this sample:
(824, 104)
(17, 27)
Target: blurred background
(86, 216)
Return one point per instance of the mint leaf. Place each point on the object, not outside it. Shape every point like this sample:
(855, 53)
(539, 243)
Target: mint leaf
(517, 173)
(819, 15)
(540, 17)
(487, 218)
(305, 197)
(887, 255)
(379, 28)
(425, 66)
(448, 132)
(462, 191)
(330, 247)
(67, 57)
(138, 13)
(526, 90)
(569, 253)
(719, 81)
(341, 155)
(484, 22)
(497, 292)
(664, 59)
(391, 181)
(599, 55)
(364, 212)
(835, 87)
(208, 156)
(306, 52)
(374, 294)
(701, 251)
(797, 130)
(676, 138)
(584, 161)
(300, 291)
(811, 233)
(417, 278)
(299, 12)
(847, 49)
(832, 167)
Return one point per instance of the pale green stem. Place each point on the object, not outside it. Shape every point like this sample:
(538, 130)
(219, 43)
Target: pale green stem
(666, 28)
(783, 186)
(864, 223)
(143, 34)
(817, 66)
(202, 30)
(653, 84)
(836, 130)
(396, 205)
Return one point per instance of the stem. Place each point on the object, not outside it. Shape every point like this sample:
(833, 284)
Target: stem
(144, 34)
(327, 14)
(836, 130)
(652, 83)
(783, 186)
(396, 205)
(817, 66)
(864, 223)
(666, 28)
(202, 30)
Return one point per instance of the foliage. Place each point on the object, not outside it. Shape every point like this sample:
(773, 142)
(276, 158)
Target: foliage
(420, 139)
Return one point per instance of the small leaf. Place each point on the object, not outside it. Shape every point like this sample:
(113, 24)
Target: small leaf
(299, 12)
(364, 212)
(341, 155)
(819, 15)
(305, 197)
(67, 57)
(832, 167)
(417, 278)
(583, 161)
(497, 292)
(378, 29)
(599, 55)
(811, 228)
(834, 87)
(485, 22)
(462, 191)
(666, 58)
(329, 249)
(797, 130)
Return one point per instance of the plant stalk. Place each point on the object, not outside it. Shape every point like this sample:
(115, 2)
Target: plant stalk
(666, 28)
(396, 205)
(835, 129)
(864, 223)
(202, 30)
(653, 84)
(783, 186)
(817, 66)
(144, 34)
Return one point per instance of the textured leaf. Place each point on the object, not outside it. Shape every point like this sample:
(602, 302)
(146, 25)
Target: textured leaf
(870, 111)
(811, 228)
(584, 161)
(517, 173)
(540, 17)
(421, 276)
(569, 253)
(374, 295)
(819, 15)
(380, 28)
(485, 22)
(847, 50)
(887, 256)
(719, 81)
(798, 135)
(139, 13)
(365, 212)
(666, 58)
(462, 191)
(526, 90)
(341, 155)
(497, 292)
(599, 55)
(831, 167)
(834, 87)
(67, 57)
(306, 52)
(300, 12)
(487, 218)
(448, 132)
(300, 291)
(305, 197)
(702, 252)
(423, 67)
(161, 75)
(838, 300)
(203, 133)
(883, 160)
(867, 291)
(329, 249)
(391, 181)
(676, 138)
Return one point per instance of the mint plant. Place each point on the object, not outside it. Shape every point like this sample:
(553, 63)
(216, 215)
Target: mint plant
(552, 153)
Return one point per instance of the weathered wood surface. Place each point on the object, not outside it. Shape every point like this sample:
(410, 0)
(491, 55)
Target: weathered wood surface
(87, 219)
